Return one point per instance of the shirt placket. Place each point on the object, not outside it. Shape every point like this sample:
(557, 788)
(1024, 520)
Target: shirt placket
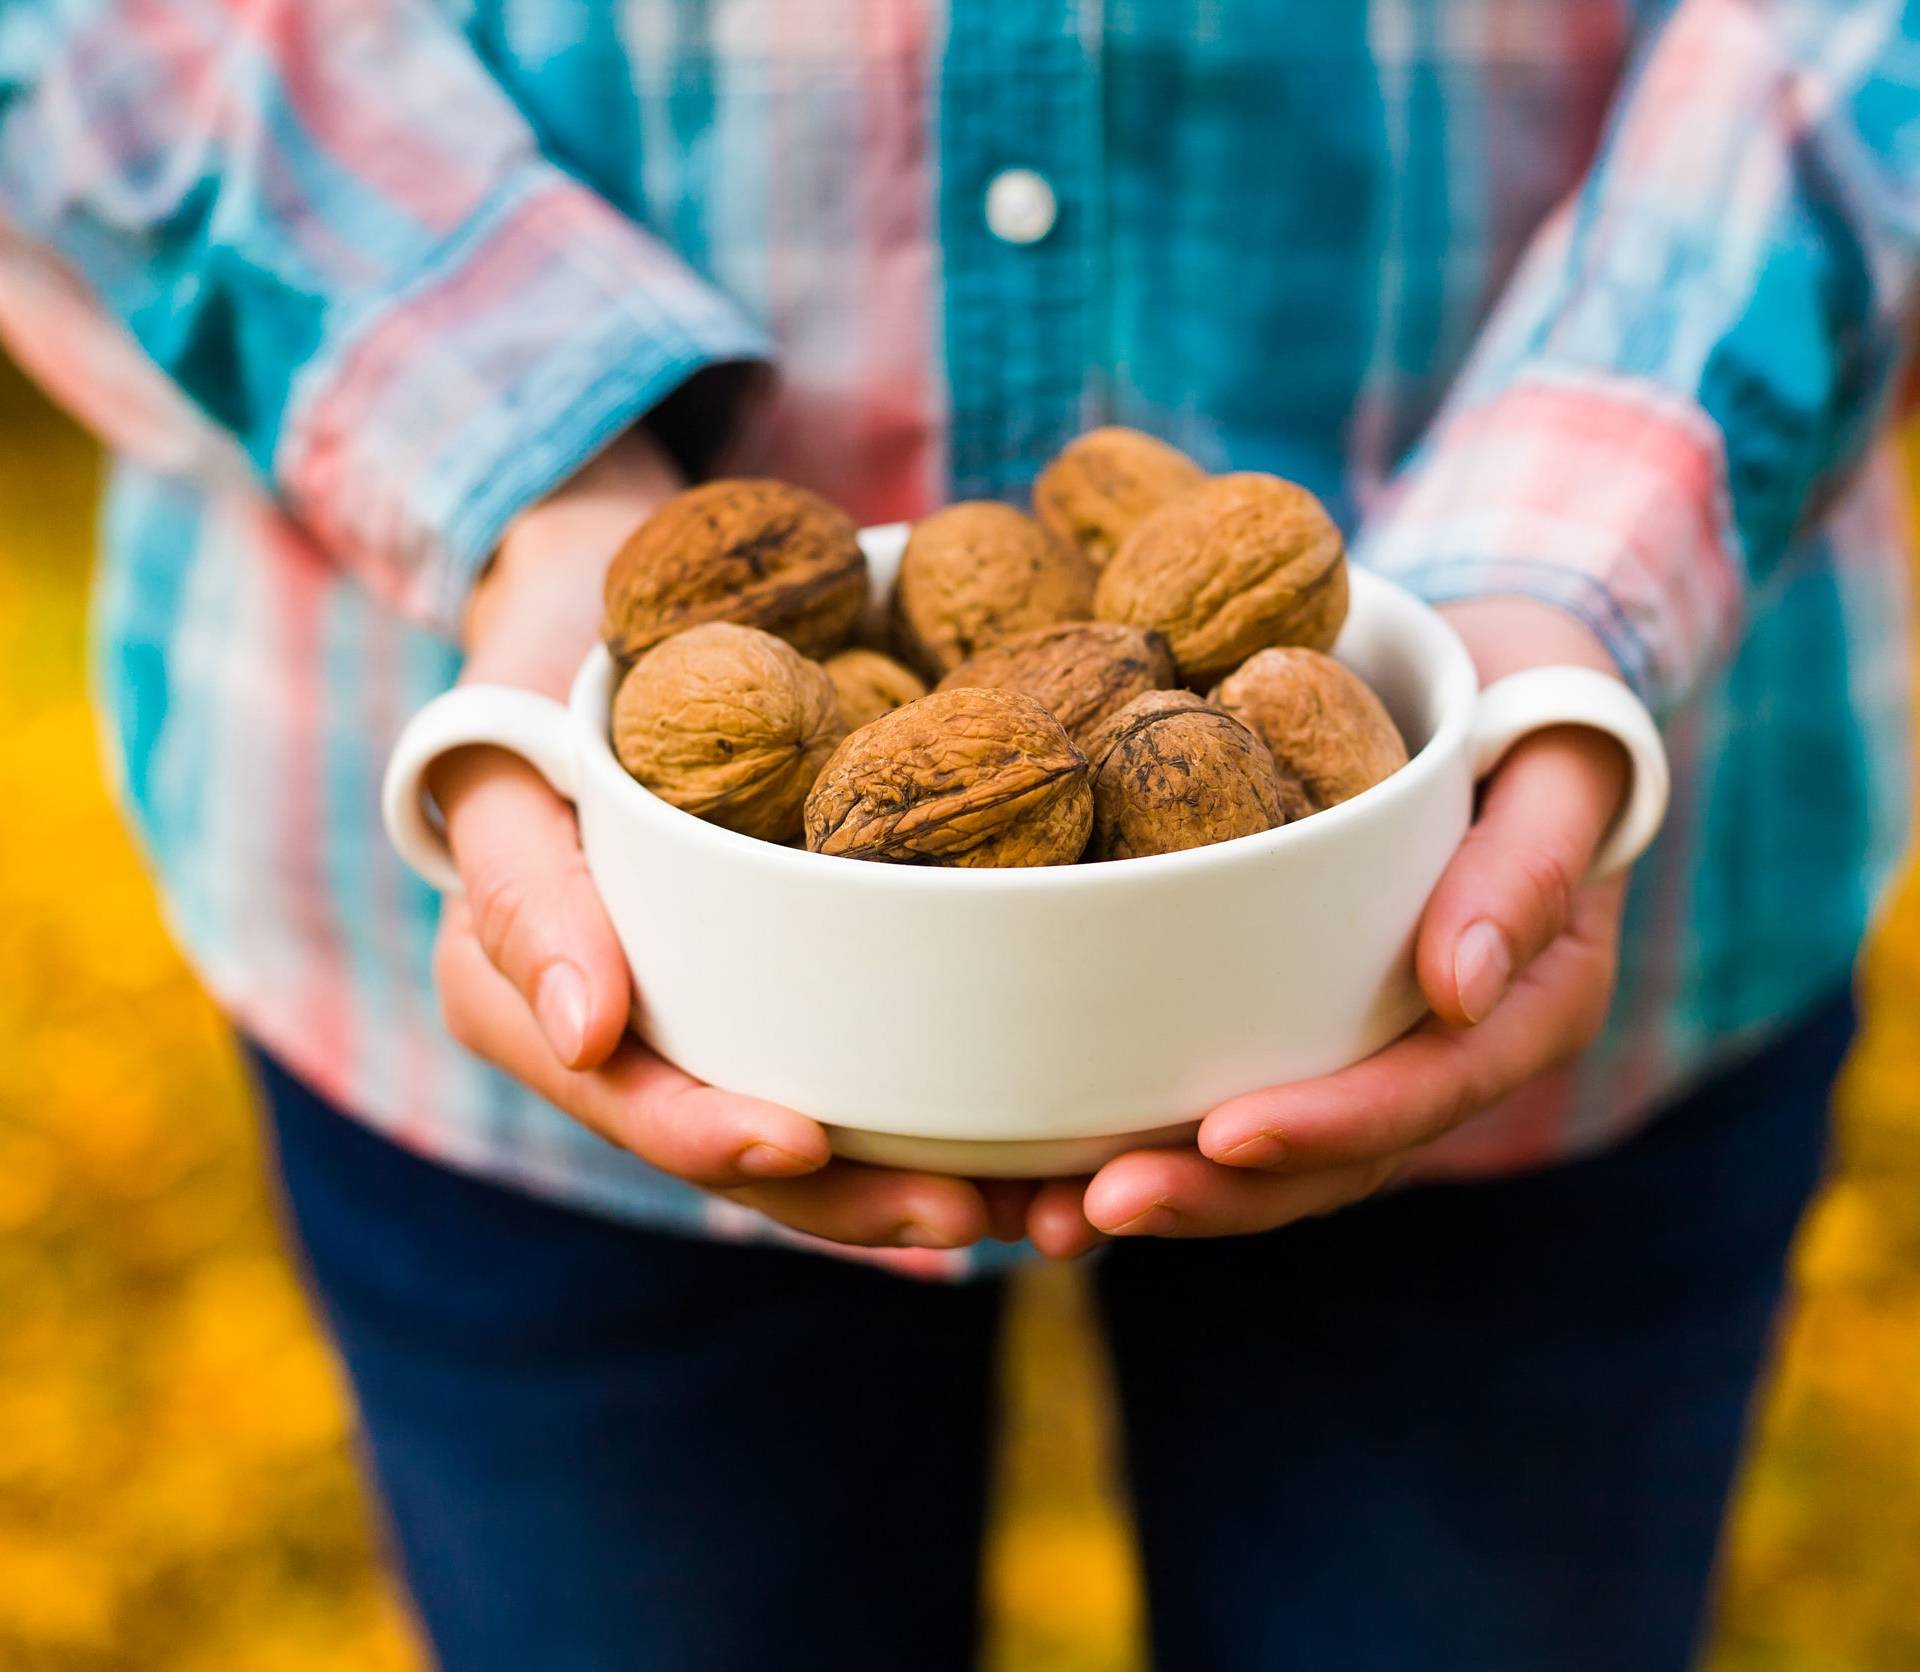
(1020, 234)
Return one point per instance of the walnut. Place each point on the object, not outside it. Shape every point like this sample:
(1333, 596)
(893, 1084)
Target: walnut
(870, 685)
(963, 777)
(1328, 732)
(1103, 484)
(1171, 771)
(977, 573)
(1231, 567)
(762, 554)
(731, 724)
(1079, 671)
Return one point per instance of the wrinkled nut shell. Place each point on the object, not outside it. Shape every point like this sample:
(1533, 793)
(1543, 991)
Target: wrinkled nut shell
(760, 554)
(1078, 671)
(963, 777)
(870, 684)
(1328, 732)
(1171, 771)
(729, 723)
(977, 573)
(1231, 568)
(1101, 486)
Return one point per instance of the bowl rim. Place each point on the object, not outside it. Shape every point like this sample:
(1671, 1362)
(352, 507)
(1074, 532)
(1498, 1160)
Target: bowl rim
(590, 699)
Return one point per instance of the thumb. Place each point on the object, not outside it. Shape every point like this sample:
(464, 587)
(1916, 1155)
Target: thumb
(535, 910)
(1508, 893)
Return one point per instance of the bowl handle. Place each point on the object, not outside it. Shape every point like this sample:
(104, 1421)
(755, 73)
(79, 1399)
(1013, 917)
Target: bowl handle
(533, 727)
(1512, 708)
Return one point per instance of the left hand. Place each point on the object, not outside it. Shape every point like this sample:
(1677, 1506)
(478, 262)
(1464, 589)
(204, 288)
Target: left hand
(530, 974)
(1515, 956)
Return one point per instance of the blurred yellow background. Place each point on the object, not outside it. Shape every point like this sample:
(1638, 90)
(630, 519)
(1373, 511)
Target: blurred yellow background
(176, 1488)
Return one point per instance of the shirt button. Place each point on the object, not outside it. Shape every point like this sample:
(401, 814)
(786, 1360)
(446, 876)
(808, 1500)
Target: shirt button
(1021, 207)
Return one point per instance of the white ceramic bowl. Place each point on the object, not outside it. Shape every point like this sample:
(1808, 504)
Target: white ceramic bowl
(1020, 1022)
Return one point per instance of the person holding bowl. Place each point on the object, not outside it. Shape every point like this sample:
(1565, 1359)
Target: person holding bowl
(1585, 322)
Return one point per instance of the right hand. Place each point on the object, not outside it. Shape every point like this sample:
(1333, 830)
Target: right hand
(530, 974)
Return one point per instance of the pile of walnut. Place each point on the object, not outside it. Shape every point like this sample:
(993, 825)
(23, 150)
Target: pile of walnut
(1064, 651)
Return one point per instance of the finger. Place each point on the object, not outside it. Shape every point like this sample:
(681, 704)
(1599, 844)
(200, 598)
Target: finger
(1179, 1193)
(1509, 891)
(1434, 1078)
(635, 1099)
(535, 909)
(1057, 1222)
(874, 1207)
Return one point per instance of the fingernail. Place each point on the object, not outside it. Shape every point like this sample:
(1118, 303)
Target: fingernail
(560, 1001)
(1263, 1149)
(911, 1235)
(770, 1161)
(1155, 1221)
(1482, 967)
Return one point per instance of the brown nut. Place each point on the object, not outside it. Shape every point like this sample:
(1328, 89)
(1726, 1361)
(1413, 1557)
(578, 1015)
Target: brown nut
(870, 684)
(729, 723)
(1103, 484)
(1328, 732)
(977, 573)
(762, 554)
(1078, 671)
(1236, 565)
(1171, 771)
(958, 778)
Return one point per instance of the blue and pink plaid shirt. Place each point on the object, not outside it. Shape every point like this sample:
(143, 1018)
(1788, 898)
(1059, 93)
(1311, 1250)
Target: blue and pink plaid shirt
(1603, 302)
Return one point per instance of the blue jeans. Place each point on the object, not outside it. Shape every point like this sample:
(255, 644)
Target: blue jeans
(1474, 1428)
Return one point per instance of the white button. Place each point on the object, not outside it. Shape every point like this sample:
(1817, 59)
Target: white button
(1021, 207)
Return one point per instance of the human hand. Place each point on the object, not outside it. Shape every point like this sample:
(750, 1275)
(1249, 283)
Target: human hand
(1514, 955)
(530, 974)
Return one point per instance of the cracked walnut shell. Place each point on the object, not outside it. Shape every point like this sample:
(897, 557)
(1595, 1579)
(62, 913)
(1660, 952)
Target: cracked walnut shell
(979, 572)
(1171, 771)
(1237, 565)
(762, 554)
(1100, 487)
(870, 684)
(730, 724)
(1079, 671)
(965, 777)
(1328, 732)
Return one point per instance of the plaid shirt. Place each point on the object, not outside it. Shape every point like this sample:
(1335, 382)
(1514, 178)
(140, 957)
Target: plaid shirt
(1604, 303)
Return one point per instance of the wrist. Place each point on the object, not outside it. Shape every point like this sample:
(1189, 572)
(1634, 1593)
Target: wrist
(597, 501)
(555, 551)
(1507, 634)
(535, 610)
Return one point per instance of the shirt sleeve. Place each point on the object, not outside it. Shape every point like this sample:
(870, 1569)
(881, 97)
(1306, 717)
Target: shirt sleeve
(335, 233)
(1695, 350)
